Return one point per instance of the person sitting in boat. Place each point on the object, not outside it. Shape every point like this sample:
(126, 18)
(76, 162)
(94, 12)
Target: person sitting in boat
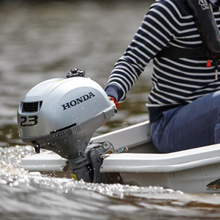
(182, 38)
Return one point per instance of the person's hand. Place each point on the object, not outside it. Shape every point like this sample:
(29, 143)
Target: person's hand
(115, 102)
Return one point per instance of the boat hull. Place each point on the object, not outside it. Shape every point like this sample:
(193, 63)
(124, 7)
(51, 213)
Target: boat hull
(191, 171)
(197, 180)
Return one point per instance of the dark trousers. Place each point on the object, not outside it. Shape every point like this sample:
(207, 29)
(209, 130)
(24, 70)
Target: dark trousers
(194, 125)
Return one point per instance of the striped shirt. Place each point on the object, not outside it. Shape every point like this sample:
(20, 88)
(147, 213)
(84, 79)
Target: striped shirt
(175, 81)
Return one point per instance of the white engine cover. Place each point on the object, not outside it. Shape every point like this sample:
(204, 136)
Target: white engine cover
(63, 112)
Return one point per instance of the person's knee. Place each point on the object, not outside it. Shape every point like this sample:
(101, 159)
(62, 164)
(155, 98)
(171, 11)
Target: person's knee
(214, 99)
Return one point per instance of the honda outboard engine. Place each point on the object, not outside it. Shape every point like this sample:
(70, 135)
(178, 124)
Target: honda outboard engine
(62, 115)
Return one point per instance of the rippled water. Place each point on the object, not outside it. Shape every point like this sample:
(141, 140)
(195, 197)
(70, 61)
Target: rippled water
(45, 40)
(28, 196)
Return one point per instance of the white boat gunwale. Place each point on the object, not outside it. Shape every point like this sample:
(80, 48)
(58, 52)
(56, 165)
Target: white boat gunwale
(190, 170)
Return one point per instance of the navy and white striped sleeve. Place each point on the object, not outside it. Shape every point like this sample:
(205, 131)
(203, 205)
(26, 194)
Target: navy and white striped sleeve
(156, 31)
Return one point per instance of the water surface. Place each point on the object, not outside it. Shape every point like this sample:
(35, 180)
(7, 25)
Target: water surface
(45, 40)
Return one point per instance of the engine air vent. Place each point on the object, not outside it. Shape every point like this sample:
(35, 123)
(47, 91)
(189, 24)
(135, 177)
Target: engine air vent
(31, 106)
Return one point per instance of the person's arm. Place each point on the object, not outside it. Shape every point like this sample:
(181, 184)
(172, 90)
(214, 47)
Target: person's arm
(157, 29)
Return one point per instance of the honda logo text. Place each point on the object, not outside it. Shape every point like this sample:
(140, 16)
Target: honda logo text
(78, 101)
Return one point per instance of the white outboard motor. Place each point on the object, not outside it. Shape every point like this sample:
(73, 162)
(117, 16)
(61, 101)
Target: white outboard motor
(62, 115)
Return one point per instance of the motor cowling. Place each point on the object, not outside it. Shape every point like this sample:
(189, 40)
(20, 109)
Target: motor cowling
(62, 114)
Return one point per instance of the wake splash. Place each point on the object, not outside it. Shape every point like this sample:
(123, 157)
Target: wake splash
(26, 195)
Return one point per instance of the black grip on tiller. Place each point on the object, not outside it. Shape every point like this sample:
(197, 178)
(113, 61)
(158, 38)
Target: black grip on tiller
(206, 25)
